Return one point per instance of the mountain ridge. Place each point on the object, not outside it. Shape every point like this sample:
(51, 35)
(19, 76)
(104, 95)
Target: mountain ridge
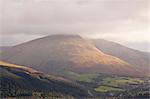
(134, 57)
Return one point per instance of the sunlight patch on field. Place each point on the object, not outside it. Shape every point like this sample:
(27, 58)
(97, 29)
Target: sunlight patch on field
(107, 89)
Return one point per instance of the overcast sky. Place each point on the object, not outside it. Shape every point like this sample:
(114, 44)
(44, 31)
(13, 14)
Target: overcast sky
(123, 21)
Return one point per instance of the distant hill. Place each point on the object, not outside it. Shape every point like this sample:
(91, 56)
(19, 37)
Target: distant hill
(134, 57)
(56, 53)
(3, 48)
(23, 81)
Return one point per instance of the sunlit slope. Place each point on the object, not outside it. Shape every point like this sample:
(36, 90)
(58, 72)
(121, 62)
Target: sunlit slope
(19, 67)
(53, 54)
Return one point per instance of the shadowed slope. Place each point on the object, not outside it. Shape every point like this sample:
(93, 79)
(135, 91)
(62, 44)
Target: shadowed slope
(17, 80)
(133, 57)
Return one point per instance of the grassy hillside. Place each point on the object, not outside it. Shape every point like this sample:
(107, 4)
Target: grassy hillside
(19, 82)
(15, 81)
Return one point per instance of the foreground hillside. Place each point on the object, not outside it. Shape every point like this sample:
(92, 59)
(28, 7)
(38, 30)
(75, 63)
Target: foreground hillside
(22, 82)
(18, 81)
(56, 53)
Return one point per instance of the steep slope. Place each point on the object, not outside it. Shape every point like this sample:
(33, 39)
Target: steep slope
(19, 80)
(134, 57)
(56, 53)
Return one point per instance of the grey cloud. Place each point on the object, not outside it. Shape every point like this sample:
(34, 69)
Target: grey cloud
(21, 16)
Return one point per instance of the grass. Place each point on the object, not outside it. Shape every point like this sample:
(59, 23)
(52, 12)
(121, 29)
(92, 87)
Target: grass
(107, 89)
(120, 81)
(87, 77)
(113, 84)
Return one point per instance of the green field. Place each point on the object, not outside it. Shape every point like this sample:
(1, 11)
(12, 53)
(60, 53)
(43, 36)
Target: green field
(86, 77)
(120, 81)
(116, 84)
(101, 83)
(107, 89)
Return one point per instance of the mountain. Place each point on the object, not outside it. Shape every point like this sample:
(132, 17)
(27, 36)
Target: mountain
(23, 81)
(134, 57)
(57, 53)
